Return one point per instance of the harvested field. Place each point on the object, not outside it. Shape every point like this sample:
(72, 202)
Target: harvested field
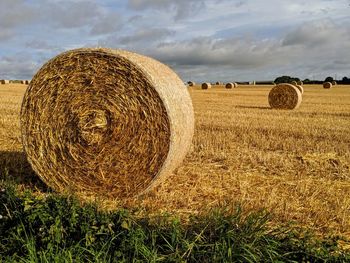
(295, 164)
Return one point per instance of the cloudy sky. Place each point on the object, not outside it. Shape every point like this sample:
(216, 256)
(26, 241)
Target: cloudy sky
(202, 40)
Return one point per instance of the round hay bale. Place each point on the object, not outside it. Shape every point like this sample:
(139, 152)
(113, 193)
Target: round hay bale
(236, 84)
(4, 81)
(230, 85)
(218, 83)
(206, 85)
(300, 88)
(294, 83)
(191, 83)
(300, 83)
(105, 122)
(285, 96)
(334, 83)
(26, 82)
(327, 85)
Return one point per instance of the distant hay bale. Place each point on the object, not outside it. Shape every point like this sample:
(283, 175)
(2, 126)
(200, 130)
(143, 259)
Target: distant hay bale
(300, 83)
(22, 81)
(294, 83)
(4, 81)
(334, 83)
(218, 83)
(236, 84)
(122, 122)
(206, 85)
(26, 82)
(300, 88)
(284, 96)
(327, 85)
(191, 83)
(230, 85)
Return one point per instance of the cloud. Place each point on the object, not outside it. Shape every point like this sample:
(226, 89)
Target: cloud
(67, 14)
(39, 44)
(313, 34)
(107, 24)
(13, 14)
(18, 66)
(147, 35)
(181, 8)
(240, 53)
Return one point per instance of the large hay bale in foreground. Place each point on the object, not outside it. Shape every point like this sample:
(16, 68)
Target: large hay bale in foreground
(285, 96)
(105, 122)
(206, 85)
(327, 85)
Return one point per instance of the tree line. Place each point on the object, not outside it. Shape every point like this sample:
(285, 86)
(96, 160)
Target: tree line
(288, 79)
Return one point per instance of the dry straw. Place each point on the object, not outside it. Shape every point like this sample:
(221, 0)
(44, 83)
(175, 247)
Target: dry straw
(327, 85)
(300, 88)
(230, 85)
(206, 85)
(105, 122)
(300, 83)
(285, 96)
(293, 82)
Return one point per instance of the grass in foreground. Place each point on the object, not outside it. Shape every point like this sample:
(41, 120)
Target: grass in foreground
(58, 229)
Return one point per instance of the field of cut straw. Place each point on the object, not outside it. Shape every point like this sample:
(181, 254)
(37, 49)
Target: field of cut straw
(293, 163)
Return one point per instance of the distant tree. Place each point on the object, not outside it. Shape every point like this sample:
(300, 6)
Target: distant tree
(306, 81)
(346, 80)
(285, 79)
(329, 79)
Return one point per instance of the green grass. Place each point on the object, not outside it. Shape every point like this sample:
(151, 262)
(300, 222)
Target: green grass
(58, 229)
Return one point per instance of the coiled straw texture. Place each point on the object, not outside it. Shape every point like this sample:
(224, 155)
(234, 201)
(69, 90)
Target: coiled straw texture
(105, 122)
(285, 96)
(327, 85)
(206, 85)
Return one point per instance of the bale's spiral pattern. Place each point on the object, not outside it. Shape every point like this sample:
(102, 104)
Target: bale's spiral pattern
(206, 85)
(230, 85)
(105, 122)
(284, 96)
(327, 85)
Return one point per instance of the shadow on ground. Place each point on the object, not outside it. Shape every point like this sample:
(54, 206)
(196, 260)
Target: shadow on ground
(14, 167)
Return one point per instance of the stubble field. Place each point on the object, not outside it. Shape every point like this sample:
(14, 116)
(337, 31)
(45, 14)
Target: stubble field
(295, 164)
